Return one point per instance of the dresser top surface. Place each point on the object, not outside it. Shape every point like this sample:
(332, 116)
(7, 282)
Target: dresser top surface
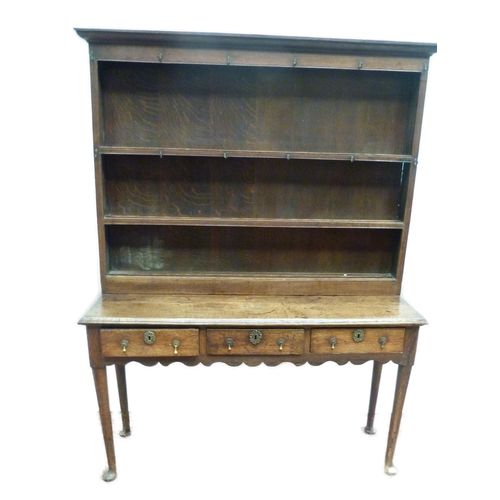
(258, 42)
(251, 310)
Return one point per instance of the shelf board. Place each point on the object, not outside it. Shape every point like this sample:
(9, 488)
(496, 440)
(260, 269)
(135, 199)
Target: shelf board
(296, 276)
(291, 155)
(255, 222)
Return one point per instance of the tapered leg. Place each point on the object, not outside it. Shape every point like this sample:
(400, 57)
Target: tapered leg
(397, 410)
(101, 386)
(122, 391)
(377, 372)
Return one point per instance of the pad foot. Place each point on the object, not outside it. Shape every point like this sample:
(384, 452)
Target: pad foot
(109, 475)
(390, 470)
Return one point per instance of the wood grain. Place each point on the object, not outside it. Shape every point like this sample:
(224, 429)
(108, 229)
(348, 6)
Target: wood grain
(293, 342)
(320, 340)
(251, 310)
(212, 249)
(193, 106)
(111, 342)
(250, 188)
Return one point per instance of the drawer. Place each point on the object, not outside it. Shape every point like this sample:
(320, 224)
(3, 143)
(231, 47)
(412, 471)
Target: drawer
(153, 342)
(255, 341)
(357, 340)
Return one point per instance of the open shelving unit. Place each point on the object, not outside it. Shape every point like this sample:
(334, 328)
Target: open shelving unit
(222, 177)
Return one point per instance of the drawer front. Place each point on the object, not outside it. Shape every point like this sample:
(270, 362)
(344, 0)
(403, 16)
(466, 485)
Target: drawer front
(153, 342)
(357, 340)
(255, 341)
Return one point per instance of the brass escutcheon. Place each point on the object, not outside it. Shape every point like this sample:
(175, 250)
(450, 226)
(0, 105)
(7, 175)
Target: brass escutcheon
(149, 337)
(358, 335)
(255, 337)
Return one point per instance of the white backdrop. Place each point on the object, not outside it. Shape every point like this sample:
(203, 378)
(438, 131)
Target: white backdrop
(223, 432)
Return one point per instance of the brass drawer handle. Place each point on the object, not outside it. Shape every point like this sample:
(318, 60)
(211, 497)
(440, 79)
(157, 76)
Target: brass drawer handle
(176, 344)
(281, 343)
(333, 342)
(229, 343)
(382, 341)
(124, 345)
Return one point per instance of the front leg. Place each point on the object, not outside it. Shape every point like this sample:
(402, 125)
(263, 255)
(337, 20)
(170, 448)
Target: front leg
(122, 391)
(377, 372)
(101, 386)
(399, 399)
(404, 372)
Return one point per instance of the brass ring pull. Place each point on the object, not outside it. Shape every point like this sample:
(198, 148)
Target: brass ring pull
(176, 344)
(124, 345)
(281, 343)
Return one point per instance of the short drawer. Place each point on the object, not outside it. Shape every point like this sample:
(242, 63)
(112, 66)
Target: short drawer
(150, 342)
(357, 340)
(255, 341)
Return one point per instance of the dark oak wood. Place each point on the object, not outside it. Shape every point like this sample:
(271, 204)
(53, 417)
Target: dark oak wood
(239, 107)
(130, 41)
(274, 341)
(101, 385)
(345, 343)
(404, 372)
(377, 373)
(251, 191)
(122, 392)
(130, 342)
(254, 197)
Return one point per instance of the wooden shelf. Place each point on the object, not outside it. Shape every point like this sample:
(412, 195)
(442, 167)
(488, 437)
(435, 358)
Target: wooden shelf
(289, 155)
(272, 275)
(233, 222)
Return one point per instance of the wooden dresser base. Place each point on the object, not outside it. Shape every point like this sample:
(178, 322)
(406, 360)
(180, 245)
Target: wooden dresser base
(343, 329)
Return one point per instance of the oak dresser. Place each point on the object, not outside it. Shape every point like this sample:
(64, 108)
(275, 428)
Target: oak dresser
(253, 204)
